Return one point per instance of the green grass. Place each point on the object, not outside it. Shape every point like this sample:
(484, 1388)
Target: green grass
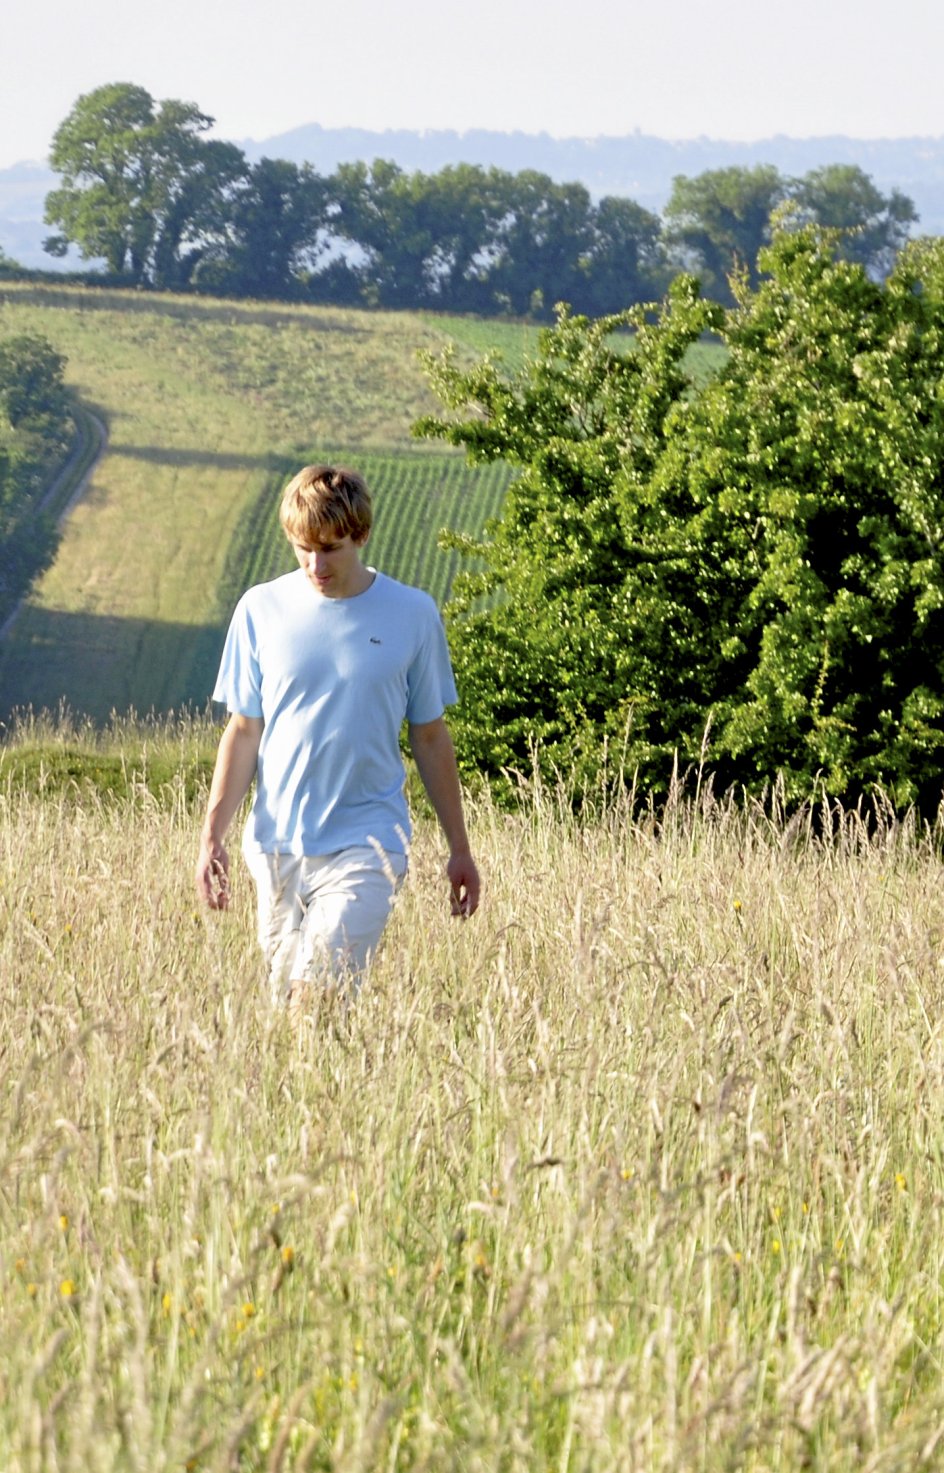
(640, 1169)
(169, 761)
(476, 336)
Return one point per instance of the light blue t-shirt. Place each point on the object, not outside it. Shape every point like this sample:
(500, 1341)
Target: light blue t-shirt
(333, 680)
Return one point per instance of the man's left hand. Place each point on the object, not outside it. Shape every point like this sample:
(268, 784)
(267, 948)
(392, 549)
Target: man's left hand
(465, 884)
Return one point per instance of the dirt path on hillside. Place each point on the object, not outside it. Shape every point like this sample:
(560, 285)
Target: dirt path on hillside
(100, 433)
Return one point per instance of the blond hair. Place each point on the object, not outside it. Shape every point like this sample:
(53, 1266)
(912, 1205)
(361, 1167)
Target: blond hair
(324, 499)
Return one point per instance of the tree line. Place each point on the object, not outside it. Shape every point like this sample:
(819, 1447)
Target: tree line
(35, 431)
(145, 190)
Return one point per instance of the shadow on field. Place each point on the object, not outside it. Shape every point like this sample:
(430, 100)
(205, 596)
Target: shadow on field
(94, 664)
(164, 455)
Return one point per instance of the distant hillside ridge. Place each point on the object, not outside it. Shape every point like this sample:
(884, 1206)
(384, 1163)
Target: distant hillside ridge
(638, 166)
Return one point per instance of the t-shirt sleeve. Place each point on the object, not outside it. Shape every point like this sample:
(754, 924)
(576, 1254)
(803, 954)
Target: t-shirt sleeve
(239, 682)
(430, 683)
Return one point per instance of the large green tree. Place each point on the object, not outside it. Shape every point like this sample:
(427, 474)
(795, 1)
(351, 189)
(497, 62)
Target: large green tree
(718, 221)
(274, 235)
(873, 226)
(141, 187)
(624, 261)
(543, 237)
(750, 573)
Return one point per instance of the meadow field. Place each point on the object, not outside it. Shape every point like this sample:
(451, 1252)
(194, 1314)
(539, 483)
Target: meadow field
(207, 405)
(640, 1169)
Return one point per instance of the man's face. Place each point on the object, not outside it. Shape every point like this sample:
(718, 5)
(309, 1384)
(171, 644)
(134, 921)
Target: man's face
(333, 564)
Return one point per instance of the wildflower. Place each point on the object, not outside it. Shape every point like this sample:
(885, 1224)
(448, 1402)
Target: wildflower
(288, 1257)
(839, 1245)
(806, 1208)
(775, 1247)
(737, 905)
(775, 1213)
(67, 1289)
(167, 1303)
(63, 1223)
(901, 1181)
(32, 1289)
(260, 1373)
(627, 1173)
(20, 1265)
(249, 1310)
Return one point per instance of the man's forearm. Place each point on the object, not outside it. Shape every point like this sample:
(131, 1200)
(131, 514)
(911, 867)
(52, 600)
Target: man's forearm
(435, 759)
(232, 776)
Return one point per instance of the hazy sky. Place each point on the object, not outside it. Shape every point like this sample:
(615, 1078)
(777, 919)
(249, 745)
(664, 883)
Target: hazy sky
(732, 69)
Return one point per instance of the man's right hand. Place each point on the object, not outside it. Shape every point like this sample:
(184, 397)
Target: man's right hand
(212, 875)
(233, 773)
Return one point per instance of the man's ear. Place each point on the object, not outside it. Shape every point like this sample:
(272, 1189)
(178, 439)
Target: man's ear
(363, 540)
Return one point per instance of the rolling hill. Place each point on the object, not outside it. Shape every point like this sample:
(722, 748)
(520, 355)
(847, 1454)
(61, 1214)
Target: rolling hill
(209, 406)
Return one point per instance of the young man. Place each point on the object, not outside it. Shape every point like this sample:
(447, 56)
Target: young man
(319, 671)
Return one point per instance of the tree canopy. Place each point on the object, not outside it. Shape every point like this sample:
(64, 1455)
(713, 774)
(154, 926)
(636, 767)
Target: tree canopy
(718, 222)
(750, 573)
(141, 187)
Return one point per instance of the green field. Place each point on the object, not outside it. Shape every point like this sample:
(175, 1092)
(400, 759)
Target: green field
(207, 404)
(416, 495)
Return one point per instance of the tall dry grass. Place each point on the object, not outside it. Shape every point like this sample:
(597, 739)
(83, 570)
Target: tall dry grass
(639, 1169)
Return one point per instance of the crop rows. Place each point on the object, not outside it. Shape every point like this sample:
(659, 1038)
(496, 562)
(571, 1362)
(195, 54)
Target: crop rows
(416, 495)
